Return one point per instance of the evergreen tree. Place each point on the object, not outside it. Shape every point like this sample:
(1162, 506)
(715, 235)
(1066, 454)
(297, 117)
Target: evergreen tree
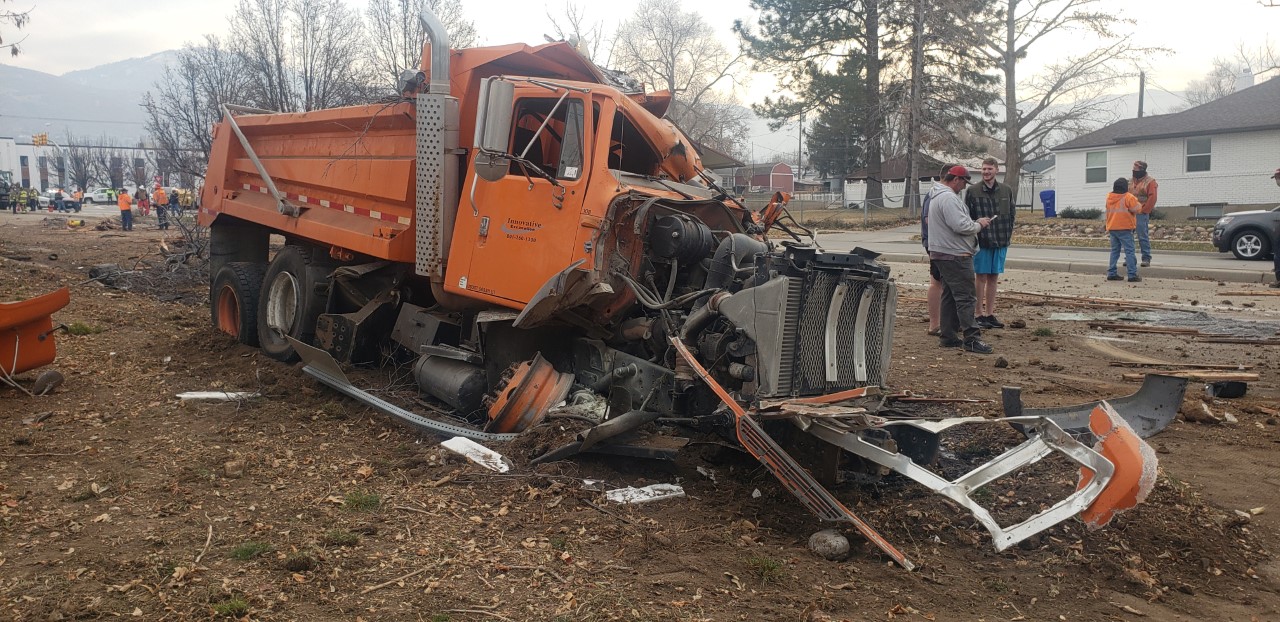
(874, 42)
(835, 139)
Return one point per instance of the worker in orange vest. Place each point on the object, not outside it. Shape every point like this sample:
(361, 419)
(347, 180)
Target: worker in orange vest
(126, 209)
(161, 199)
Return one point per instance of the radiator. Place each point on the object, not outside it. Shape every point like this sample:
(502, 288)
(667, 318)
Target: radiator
(820, 331)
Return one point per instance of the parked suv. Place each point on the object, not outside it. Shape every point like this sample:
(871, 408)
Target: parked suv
(1247, 234)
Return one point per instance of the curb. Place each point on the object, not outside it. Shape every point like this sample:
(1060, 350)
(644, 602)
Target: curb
(1080, 267)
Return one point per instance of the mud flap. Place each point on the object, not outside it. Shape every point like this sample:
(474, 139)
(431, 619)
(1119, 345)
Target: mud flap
(793, 477)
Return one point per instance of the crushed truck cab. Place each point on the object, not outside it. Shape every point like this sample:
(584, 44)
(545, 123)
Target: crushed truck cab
(530, 233)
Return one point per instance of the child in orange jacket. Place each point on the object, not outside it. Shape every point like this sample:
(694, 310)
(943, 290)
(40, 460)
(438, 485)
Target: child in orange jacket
(1122, 210)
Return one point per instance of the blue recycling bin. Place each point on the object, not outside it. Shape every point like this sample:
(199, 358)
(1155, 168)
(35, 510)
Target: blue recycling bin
(1046, 199)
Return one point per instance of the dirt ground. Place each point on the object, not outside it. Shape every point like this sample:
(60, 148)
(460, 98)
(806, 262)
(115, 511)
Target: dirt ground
(118, 500)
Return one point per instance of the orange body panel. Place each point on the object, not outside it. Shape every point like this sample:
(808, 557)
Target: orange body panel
(1135, 464)
(26, 330)
(352, 170)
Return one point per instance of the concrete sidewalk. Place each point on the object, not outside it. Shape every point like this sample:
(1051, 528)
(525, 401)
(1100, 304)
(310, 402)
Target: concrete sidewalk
(896, 246)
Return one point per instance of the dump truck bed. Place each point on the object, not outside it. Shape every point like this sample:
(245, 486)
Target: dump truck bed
(350, 170)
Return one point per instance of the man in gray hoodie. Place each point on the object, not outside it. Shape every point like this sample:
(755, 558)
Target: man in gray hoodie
(953, 240)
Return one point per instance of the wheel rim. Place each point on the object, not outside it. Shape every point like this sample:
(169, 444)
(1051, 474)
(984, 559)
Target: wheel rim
(229, 311)
(282, 303)
(1249, 245)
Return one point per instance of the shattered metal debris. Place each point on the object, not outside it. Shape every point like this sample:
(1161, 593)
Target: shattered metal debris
(477, 453)
(219, 396)
(652, 492)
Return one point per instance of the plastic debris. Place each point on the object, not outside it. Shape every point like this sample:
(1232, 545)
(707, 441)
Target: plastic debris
(477, 453)
(652, 492)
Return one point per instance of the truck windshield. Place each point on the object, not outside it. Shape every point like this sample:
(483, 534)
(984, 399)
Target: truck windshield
(557, 149)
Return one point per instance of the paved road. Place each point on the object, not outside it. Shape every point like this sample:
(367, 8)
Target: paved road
(897, 246)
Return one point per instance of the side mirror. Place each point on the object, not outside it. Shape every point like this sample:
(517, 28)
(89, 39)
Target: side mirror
(493, 128)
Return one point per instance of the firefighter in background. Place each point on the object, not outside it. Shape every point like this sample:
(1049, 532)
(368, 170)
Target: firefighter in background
(33, 202)
(144, 202)
(6, 199)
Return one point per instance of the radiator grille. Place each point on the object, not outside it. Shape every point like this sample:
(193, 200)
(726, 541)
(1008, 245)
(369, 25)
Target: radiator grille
(860, 343)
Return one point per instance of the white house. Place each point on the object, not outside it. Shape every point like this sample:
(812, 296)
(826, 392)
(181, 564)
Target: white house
(1215, 157)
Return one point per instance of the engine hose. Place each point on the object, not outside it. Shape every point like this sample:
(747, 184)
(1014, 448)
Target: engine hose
(701, 317)
(732, 251)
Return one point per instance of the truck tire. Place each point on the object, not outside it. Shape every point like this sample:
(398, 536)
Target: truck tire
(294, 293)
(233, 300)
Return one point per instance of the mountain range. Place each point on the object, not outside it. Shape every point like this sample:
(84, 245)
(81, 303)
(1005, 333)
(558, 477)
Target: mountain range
(87, 103)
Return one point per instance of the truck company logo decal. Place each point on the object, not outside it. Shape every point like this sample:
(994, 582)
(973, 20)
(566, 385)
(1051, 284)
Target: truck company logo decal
(350, 209)
(520, 229)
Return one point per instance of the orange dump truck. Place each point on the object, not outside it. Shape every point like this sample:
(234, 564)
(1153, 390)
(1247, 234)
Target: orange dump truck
(529, 229)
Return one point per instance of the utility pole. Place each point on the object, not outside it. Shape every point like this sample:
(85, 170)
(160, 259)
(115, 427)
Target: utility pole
(799, 152)
(1142, 90)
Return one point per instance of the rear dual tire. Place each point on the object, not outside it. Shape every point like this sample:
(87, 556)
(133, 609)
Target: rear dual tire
(294, 294)
(233, 300)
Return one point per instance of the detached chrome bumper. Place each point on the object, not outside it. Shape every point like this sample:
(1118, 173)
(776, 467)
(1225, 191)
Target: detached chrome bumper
(1116, 473)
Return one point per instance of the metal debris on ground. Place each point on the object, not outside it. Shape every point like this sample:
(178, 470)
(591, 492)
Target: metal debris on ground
(652, 492)
(217, 396)
(477, 453)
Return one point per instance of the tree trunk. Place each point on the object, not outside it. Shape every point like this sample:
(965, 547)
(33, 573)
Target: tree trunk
(911, 189)
(1012, 121)
(874, 123)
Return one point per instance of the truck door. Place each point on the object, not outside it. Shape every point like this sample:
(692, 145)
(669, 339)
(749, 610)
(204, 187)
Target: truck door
(523, 228)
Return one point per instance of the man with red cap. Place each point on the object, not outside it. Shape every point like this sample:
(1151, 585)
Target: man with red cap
(953, 240)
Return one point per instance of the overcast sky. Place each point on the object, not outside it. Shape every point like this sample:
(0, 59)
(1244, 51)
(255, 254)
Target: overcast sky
(65, 35)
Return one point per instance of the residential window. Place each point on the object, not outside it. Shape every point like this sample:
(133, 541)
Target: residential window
(1199, 152)
(1095, 167)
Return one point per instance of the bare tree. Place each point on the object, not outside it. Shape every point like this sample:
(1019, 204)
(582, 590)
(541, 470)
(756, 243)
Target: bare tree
(139, 170)
(183, 108)
(1222, 79)
(1064, 98)
(300, 54)
(327, 40)
(396, 35)
(584, 37)
(18, 20)
(1218, 83)
(79, 162)
(673, 49)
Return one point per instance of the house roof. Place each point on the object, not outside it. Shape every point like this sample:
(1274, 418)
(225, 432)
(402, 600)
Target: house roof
(896, 168)
(715, 159)
(1039, 165)
(761, 169)
(1245, 110)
